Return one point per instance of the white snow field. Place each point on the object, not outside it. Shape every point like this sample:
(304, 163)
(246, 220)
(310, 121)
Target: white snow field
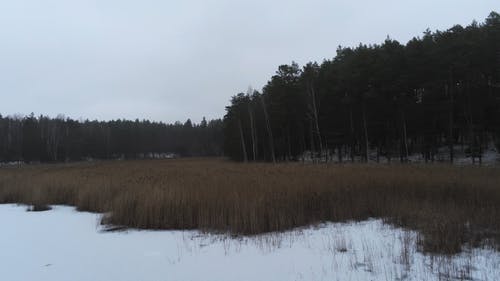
(63, 244)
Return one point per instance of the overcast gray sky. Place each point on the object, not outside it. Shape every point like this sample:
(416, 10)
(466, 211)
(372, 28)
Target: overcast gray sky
(170, 60)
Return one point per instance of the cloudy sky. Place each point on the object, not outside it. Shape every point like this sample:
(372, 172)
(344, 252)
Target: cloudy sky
(170, 60)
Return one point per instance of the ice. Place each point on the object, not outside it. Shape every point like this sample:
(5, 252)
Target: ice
(63, 244)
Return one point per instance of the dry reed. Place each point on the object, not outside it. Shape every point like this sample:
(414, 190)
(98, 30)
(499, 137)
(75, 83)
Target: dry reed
(449, 206)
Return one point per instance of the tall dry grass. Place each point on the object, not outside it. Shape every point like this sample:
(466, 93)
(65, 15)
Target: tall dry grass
(449, 206)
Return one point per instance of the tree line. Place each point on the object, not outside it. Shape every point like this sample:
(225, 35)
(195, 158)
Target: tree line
(44, 139)
(376, 101)
(388, 100)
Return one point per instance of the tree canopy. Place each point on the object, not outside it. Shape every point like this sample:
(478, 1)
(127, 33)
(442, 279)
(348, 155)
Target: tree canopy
(34, 139)
(440, 89)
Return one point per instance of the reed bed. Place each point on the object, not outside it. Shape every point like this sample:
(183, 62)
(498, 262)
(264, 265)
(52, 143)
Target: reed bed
(451, 207)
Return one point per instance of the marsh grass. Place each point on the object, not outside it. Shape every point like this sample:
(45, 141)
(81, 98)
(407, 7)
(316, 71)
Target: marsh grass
(449, 206)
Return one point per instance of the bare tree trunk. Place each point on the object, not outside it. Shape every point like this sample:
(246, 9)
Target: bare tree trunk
(472, 138)
(313, 149)
(449, 91)
(326, 152)
(365, 129)
(108, 136)
(352, 135)
(289, 145)
(252, 133)
(52, 139)
(315, 115)
(269, 130)
(243, 146)
(303, 145)
(405, 137)
(66, 158)
(339, 149)
(480, 151)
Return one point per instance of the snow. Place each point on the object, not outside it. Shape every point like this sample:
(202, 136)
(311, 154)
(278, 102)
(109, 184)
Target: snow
(490, 157)
(63, 244)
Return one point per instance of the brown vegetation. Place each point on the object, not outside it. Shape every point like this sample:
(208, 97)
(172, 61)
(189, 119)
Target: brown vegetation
(449, 206)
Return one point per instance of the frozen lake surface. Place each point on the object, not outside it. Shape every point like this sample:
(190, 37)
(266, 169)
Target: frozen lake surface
(63, 244)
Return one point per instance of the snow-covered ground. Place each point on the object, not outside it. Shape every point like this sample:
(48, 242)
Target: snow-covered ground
(490, 157)
(63, 244)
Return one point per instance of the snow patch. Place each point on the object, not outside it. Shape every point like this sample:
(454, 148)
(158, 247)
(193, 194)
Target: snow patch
(63, 244)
